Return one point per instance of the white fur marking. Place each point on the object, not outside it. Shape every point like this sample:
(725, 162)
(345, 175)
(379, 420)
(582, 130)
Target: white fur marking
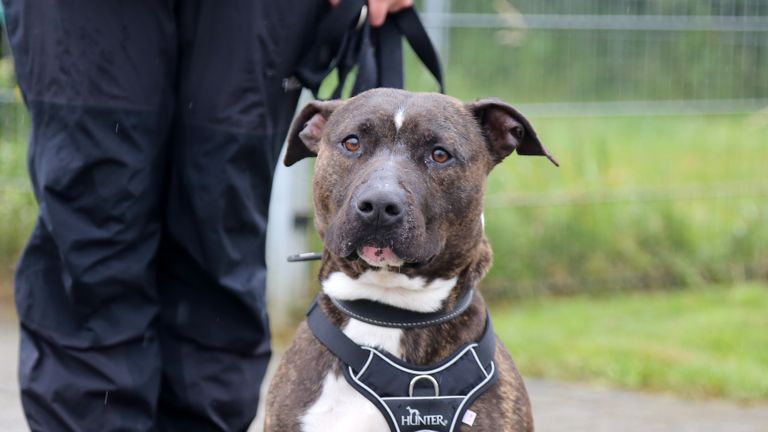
(339, 404)
(374, 336)
(482, 220)
(391, 288)
(342, 409)
(399, 116)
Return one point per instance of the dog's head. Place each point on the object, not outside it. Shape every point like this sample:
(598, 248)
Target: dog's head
(400, 177)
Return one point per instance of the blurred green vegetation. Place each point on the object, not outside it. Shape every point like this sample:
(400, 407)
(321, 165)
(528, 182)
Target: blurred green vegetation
(637, 203)
(699, 343)
(17, 205)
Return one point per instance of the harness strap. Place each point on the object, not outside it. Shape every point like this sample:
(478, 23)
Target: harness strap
(486, 346)
(334, 339)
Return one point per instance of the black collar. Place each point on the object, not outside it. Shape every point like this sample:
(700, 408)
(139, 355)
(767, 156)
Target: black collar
(383, 315)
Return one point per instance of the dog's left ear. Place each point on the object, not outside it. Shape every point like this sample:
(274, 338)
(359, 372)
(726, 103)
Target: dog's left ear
(506, 130)
(307, 130)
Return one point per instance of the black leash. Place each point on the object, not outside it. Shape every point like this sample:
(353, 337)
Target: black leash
(346, 40)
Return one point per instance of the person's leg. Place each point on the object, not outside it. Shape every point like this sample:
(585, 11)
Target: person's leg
(96, 76)
(233, 116)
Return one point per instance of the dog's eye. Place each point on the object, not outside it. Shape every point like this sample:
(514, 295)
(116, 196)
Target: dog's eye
(440, 155)
(351, 144)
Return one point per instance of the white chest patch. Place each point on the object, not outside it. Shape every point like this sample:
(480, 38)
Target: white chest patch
(340, 407)
(399, 117)
(390, 288)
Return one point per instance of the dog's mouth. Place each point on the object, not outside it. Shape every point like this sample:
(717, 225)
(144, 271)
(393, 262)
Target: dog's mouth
(379, 256)
(385, 257)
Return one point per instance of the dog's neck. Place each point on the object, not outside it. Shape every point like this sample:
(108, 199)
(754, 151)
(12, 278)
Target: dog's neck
(389, 287)
(412, 292)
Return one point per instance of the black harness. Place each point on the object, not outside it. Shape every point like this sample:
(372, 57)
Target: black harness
(412, 398)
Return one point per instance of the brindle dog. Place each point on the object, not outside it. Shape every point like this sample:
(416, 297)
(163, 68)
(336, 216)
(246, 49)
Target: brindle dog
(398, 193)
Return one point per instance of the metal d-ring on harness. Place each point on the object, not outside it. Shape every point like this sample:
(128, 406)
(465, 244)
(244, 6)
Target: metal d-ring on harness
(412, 398)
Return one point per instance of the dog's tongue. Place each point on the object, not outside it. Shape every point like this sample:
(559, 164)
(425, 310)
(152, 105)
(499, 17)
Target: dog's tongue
(378, 255)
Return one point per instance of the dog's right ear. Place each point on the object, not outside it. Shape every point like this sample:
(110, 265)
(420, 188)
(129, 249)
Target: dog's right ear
(307, 130)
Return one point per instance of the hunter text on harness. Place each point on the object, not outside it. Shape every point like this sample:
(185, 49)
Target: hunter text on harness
(412, 398)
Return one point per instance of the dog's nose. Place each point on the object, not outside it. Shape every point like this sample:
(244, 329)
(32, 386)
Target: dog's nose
(380, 207)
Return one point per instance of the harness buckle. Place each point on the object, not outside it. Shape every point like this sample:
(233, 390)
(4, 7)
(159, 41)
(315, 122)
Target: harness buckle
(423, 377)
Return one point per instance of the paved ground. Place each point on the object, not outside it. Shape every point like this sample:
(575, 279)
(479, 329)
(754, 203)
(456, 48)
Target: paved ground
(11, 419)
(561, 407)
(558, 407)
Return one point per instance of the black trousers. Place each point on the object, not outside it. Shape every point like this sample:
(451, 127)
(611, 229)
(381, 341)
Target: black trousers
(156, 126)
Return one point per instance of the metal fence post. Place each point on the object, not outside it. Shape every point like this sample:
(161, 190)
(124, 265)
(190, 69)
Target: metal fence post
(435, 12)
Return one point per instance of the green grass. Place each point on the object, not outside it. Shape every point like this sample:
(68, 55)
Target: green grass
(698, 343)
(686, 200)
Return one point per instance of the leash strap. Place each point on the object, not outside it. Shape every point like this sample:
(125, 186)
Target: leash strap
(344, 42)
(411, 27)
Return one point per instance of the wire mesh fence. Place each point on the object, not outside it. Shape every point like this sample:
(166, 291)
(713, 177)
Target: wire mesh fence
(608, 57)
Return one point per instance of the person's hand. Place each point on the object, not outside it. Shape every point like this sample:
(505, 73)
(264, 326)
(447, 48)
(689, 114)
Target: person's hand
(378, 9)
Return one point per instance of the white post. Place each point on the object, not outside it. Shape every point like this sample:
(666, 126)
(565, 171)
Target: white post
(435, 12)
(287, 283)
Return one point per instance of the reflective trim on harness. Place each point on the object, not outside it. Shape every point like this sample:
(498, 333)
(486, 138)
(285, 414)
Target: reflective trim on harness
(412, 397)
